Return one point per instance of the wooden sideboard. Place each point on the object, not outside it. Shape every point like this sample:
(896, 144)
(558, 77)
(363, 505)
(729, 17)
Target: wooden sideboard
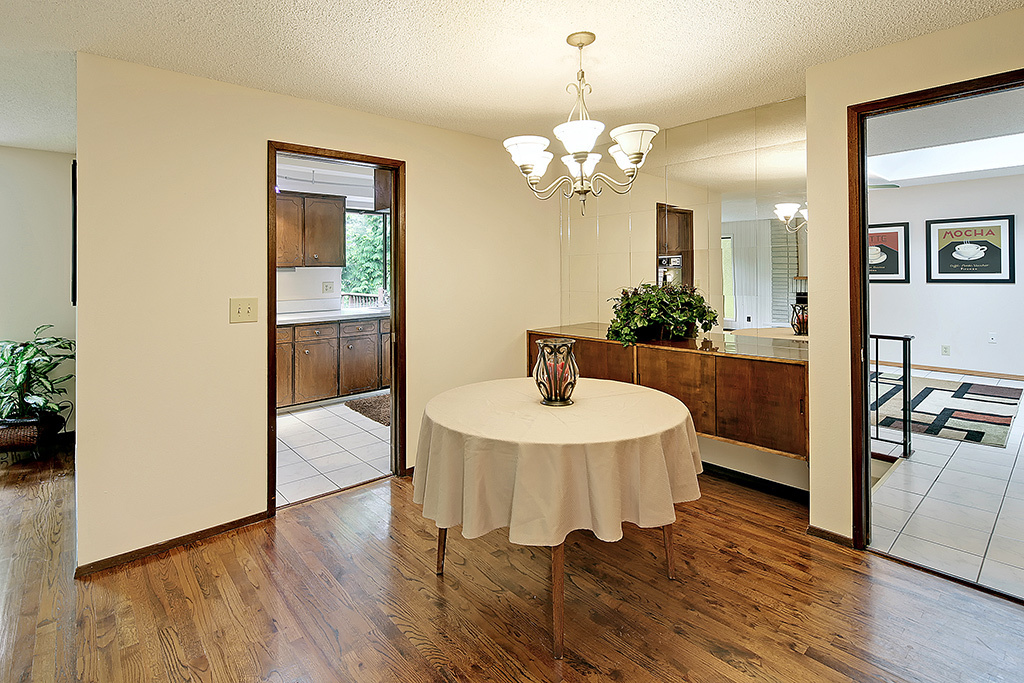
(745, 390)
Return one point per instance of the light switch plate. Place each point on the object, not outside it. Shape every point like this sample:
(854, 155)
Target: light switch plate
(243, 310)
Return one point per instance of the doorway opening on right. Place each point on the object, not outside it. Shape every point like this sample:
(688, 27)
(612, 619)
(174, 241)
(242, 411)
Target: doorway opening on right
(945, 189)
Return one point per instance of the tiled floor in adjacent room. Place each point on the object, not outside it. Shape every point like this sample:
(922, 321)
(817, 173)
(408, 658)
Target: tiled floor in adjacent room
(956, 507)
(327, 448)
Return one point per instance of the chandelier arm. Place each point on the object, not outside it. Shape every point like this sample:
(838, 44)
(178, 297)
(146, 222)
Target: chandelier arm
(614, 185)
(551, 189)
(790, 228)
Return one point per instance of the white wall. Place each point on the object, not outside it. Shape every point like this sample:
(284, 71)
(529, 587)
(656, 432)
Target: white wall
(173, 222)
(35, 247)
(937, 313)
(969, 51)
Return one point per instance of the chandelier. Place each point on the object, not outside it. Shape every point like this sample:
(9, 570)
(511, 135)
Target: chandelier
(578, 136)
(787, 212)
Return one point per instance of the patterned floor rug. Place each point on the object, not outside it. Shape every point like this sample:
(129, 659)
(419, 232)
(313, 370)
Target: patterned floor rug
(377, 408)
(960, 411)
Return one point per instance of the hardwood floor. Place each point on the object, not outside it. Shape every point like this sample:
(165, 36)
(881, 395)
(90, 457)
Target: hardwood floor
(344, 589)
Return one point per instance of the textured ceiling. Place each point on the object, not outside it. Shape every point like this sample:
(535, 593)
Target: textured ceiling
(482, 66)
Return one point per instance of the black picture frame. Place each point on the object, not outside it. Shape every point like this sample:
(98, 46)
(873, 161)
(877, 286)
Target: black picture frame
(976, 250)
(893, 263)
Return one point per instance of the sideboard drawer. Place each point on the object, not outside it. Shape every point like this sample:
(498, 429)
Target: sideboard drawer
(305, 332)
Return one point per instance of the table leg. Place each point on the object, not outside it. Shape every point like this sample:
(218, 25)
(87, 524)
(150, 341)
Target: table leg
(442, 537)
(670, 559)
(558, 597)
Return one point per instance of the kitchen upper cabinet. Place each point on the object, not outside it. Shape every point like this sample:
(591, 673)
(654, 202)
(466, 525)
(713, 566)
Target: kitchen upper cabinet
(310, 230)
(675, 238)
(289, 230)
(359, 363)
(316, 369)
(324, 233)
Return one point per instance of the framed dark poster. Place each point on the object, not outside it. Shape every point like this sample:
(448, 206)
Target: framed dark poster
(970, 249)
(889, 252)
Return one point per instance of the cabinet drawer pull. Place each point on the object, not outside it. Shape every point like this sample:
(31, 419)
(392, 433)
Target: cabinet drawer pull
(349, 346)
(307, 352)
(316, 256)
(316, 332)
(359, 329)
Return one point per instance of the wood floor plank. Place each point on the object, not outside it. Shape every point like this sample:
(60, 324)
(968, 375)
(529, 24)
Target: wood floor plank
(344, 589)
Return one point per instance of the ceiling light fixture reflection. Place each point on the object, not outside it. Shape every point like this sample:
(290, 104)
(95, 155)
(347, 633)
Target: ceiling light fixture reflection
(578, 136)
(787, 212)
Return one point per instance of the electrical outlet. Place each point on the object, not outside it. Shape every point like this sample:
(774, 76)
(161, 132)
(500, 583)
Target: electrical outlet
(243, 310)
(945, 349)
(991, 337)
(328, 288)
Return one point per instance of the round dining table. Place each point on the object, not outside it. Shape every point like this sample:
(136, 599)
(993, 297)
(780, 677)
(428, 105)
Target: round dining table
(490, 456)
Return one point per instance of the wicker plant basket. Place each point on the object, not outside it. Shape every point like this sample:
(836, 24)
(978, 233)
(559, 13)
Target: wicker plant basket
(29, 433)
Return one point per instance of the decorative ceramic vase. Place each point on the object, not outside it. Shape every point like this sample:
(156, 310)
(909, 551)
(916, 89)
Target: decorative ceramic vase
(556, 371)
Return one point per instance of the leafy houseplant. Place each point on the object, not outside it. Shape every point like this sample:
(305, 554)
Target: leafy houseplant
(659, 313)
(28, 394)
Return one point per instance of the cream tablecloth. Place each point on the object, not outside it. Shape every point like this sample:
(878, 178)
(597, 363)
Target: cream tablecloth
(491, 456)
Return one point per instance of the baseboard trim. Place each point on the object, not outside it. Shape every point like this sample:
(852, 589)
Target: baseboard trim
(773, 488)
(131, 556)
(832, 536)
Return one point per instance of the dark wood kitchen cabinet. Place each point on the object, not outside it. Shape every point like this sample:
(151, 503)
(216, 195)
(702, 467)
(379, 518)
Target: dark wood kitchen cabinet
(675, 230)
(359, 364)
(317, 361)
(285, 363)
(385, 360)
(310, 230)
(289, 230)
(316, 369)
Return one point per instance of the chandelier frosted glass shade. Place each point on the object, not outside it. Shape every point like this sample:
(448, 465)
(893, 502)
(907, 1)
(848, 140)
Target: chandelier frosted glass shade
(635, 140)
(528, 150)
(588, 165)
(579, 137)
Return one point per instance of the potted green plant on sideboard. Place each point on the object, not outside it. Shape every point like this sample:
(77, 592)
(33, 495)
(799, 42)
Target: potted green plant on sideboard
(30, 413)
(660, 313)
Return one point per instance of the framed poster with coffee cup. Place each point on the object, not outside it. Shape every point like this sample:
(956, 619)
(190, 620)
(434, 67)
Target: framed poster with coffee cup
(888, 252)
(970, 249)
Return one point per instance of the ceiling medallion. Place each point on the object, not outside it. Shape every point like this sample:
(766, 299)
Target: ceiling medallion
(578, 136)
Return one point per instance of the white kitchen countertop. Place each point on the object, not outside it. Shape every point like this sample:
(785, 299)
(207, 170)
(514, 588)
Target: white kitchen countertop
(333, 315)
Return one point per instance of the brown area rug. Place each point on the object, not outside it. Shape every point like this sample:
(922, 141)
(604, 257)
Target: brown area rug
(377, 408)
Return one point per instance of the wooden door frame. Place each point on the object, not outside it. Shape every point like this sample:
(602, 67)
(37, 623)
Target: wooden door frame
(857, 116)
(397, 350)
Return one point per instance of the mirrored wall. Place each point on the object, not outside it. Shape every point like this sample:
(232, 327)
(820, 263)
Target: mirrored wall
(730, 172)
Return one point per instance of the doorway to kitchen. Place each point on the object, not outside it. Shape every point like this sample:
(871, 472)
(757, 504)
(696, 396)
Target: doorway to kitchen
(939, 481)
(336, 293)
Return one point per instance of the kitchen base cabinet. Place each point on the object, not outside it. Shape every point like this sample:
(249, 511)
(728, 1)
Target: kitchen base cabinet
(385, 360)
(316, 370)
(359, 364)
(285, 360)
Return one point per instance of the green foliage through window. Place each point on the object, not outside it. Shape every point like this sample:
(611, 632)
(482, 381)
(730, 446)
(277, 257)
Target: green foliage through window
(367, 256)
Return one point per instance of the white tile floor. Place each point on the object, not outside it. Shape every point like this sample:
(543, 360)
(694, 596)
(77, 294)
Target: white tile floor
(956, 507)
(327, 448)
